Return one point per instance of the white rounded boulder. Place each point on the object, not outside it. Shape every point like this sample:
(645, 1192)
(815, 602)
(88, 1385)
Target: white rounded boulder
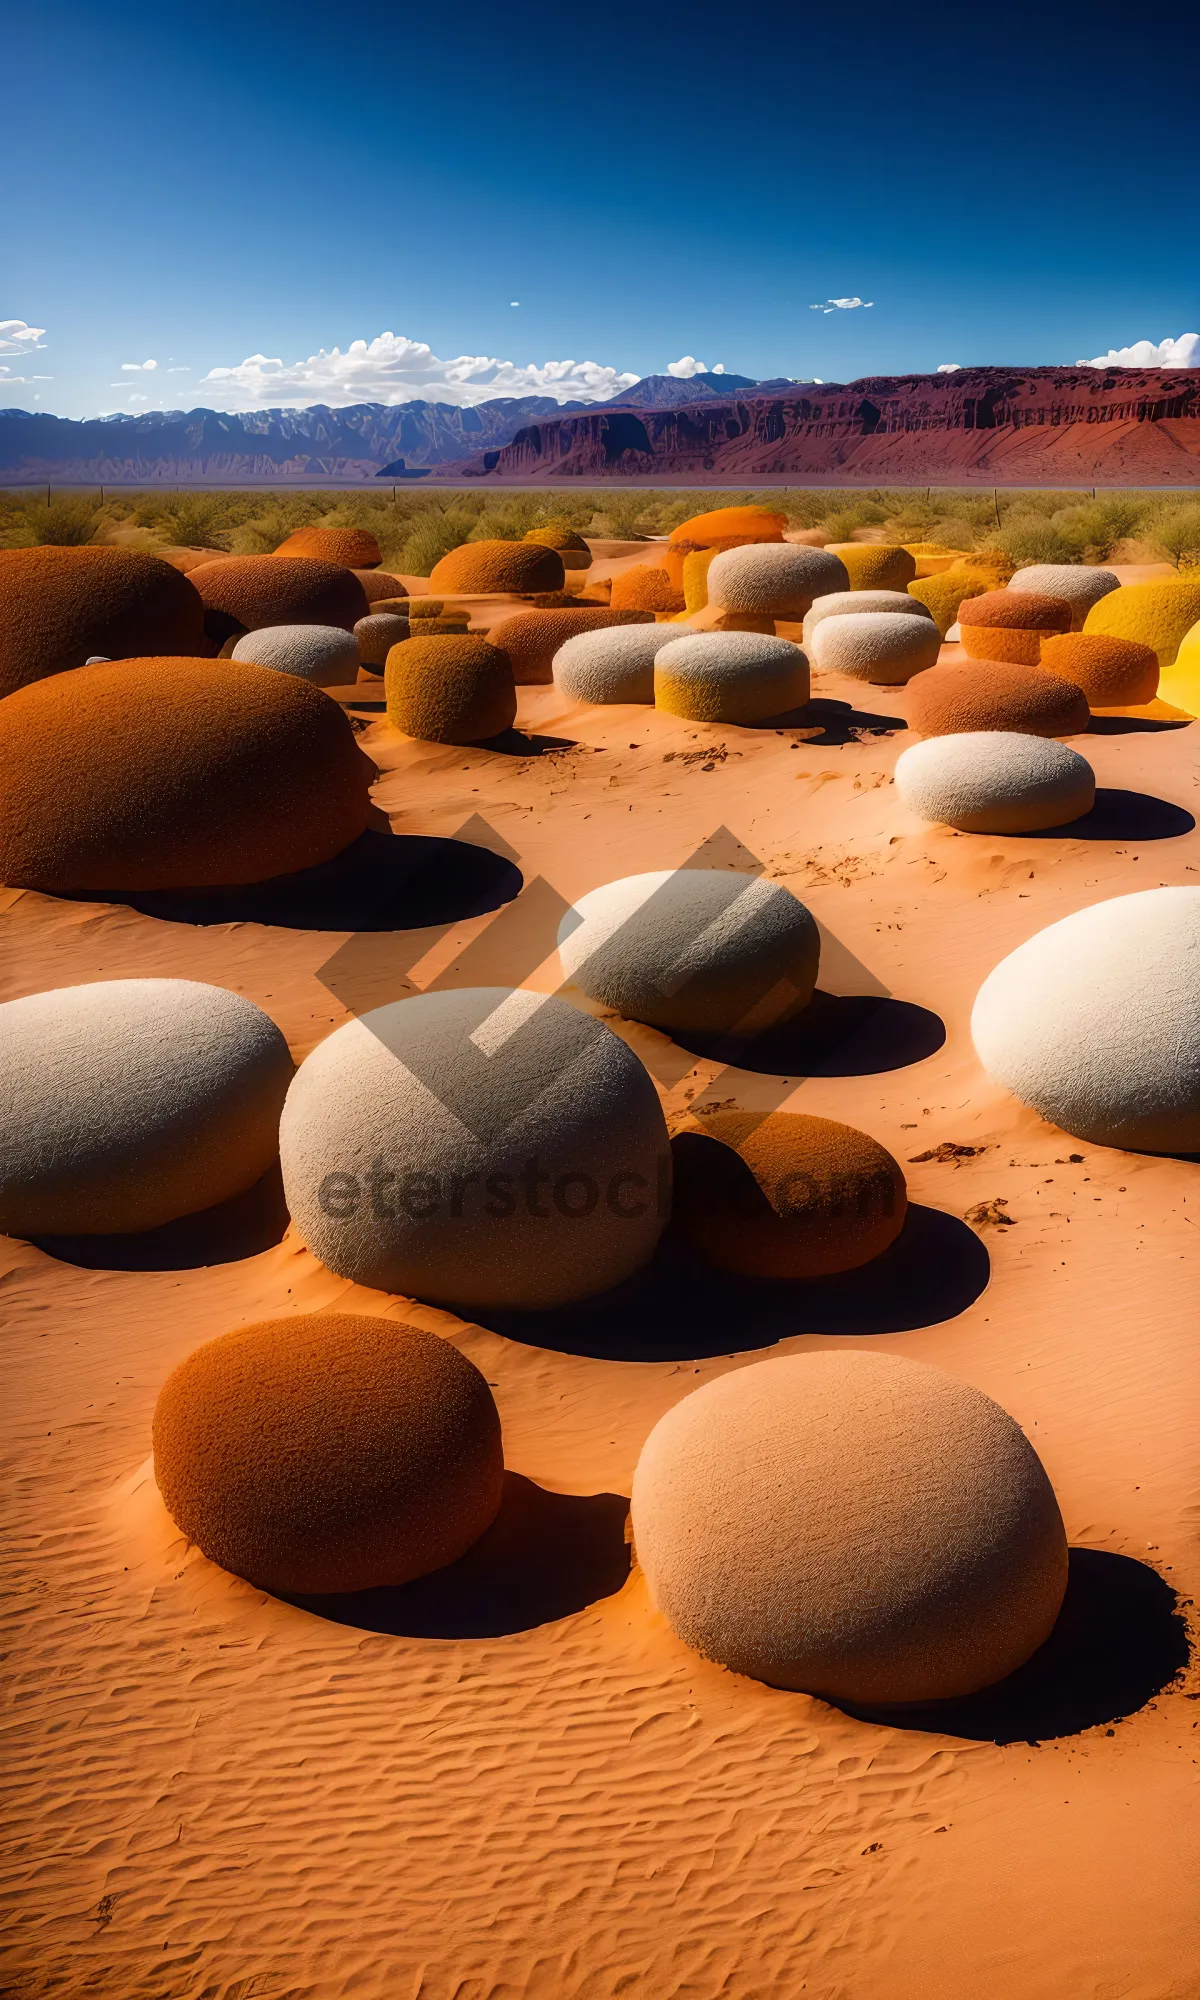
(856, 1525)
(130, 1102)
(322, 654)
(885, 647)
(614, 664)
(478, 1147)
(1076, 583)
(862, 603)
(1095, 1022)
(730, 677)
(773, 579)
(995, 781)
(693, 949)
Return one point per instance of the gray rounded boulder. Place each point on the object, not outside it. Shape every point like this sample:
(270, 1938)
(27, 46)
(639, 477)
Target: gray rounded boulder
(614, 664)
(130, 1102)
(322, 654)
(377, 634)
(730, 677)
(477, 1147)
(773, 579)
(699, 950)
(1094, 1022)
(995, 781)
(1077, 584)
(860, 603)
(886, 647)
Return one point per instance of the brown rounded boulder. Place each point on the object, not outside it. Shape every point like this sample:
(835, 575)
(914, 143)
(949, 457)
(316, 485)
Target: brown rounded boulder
(328, 1452)
(356, 547)
(785, 1196)
(175, 774)
(1011, 625)
(450, 689)
(494, 567)
(994, 695)
(532, 638)
(1113, 673)
(379, 584)
(253, 591)
(61, 607)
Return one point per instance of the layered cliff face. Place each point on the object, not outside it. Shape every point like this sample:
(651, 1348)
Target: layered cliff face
(1022, 426)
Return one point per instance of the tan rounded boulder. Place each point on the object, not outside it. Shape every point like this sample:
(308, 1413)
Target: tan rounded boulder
(323, 654)
(875, 565)
(1076, 584)
(859, 604)
(449, 689)
(995, 781)
(858, 1526)
(773, 579)
(885, 648)
(377, 634)
(784, 1196)
(730, 677)
(328, 1452)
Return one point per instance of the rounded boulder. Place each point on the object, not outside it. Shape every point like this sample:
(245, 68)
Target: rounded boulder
(1095, 1022)
(129, 1102)
(693, 949)
(355, 547)
(995, 696)
(323, 654)
(730, 677)
(477, 1147)
(859, 604)
(784, 1196)
(377, 634)
(875, 565)
(1113, 673)
(646, 587)
(886, 647)
(175, 774)
(1075, 584)
(1010, 625)
(449, 689)
(379, 586)
(612, 665)
(60, 608)
(1158, 614)
(773, 579)
(245, 593)
(730, 527)
(995, 781)
(532, 638)
(859, 1526)
(494, 567)
(942, 595)
(329, 1452)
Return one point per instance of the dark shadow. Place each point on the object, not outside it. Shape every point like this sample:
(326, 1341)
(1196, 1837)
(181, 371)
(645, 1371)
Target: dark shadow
(838, 1034)
(381, 882)
(680, 1309)
(240, 1227)
(1121, 815)
(545, 1556)
(1134, 725)
(515, 743)
(831, 722)
(1120, 1639)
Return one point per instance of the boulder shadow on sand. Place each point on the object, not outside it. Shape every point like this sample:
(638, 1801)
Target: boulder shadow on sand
(243, 1226)
(381, 882)
(1122, 815)
(1120, 1639)
(823, 722)
(545, 1556)
(1134, 725)
(681, 1309)
(838, 1034)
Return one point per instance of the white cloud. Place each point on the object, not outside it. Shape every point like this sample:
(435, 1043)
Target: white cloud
(393, 369)
(136, 367)
(718, 368)
(841, 305)
(18, 338)
(1181, 353)
(949, 367)
(686, 367)
(182, 369)
(514, 302)
(8, 381)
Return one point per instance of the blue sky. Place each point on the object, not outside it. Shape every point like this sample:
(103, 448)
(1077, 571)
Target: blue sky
(199, 187)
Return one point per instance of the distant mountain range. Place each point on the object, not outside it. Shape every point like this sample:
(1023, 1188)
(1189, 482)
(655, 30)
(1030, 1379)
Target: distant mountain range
(1016, 426)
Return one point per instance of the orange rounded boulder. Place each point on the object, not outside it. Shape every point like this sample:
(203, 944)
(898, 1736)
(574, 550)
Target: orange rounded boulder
(450, 689)
(995, 695)
(494, 567)
(646, 587)
(175, 774)
(61, 607)
(329, 1452)
(730, 527)
(532, 638)
(379, 584)
(1011, 625)
(1113, 673)
(784, 1196)
(252, 591)
(356, 547)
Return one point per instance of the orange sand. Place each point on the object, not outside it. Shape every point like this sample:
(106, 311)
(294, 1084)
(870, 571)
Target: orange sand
(212, 1793)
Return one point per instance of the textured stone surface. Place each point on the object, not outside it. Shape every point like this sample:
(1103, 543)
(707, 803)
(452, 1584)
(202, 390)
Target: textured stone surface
(60, 608)
(995, 781)
(779, 580)
(1077, 584)
(990, 694)
(613, 665)
(730, 677)
(252, 591)
(323, 654)
(450, 689)
(885, 647)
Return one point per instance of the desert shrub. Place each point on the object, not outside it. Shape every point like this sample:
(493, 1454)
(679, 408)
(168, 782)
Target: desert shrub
(65, 523)
(433, 536)
(1032, 538)
(1173, 530)
(508, 521)
(197, 521)
(840, 523)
